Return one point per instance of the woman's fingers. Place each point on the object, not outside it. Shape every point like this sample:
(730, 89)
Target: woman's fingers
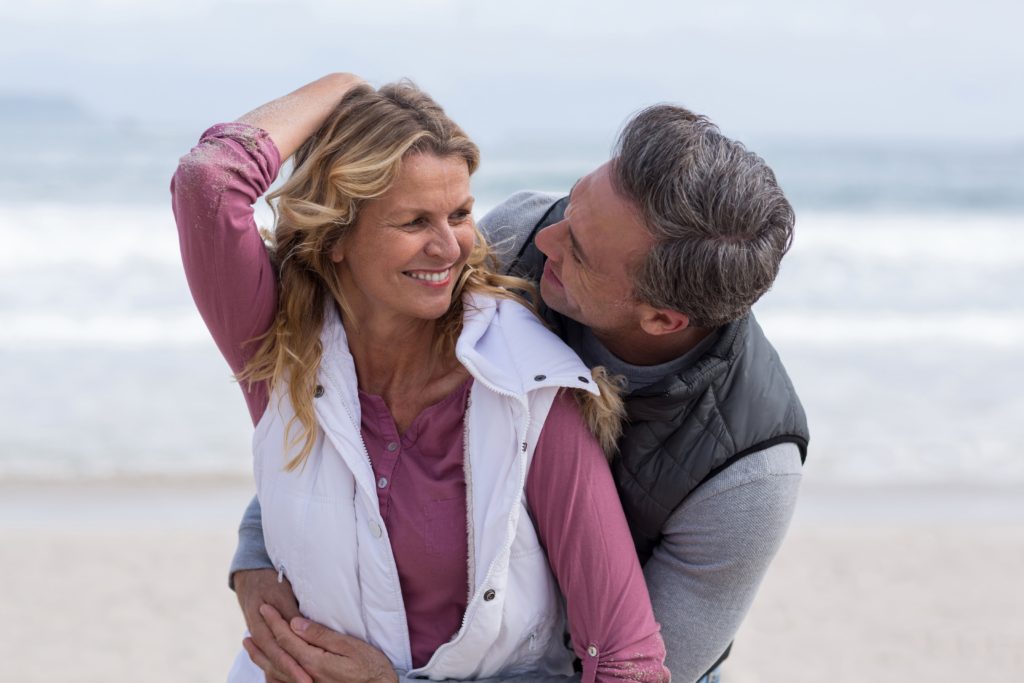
(307, 656)
(324, 638)
(347, 659)
(270, 669)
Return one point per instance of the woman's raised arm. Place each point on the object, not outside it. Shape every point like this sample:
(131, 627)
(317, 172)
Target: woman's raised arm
(212, 193)
(291, 119)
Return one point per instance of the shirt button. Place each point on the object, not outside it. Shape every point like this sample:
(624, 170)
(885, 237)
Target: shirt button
(382, 482)
(489, 594)
(592, 651)
(539, 378)
(376, 530)
(392, 446)
(319, 391)
(583, 379)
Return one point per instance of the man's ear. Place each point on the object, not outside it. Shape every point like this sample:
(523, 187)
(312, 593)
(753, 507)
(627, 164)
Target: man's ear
(659, 321)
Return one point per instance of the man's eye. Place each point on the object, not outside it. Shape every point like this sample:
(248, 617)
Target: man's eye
(416, 222)
(459, 216)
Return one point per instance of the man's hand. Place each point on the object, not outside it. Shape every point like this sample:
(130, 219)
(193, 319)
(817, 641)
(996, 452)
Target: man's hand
(325, 655)
(257, 587)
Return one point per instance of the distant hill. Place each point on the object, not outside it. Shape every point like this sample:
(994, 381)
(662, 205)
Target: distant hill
(24, 108)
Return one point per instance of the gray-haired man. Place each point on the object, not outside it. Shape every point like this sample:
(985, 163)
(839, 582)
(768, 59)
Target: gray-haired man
(649, 268)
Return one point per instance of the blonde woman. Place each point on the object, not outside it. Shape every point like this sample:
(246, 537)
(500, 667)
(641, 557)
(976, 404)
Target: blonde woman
(419, 439)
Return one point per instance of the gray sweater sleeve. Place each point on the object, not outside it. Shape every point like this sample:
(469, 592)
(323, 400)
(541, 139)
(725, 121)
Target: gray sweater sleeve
(506, 227)
(251, 552)
(716, 548)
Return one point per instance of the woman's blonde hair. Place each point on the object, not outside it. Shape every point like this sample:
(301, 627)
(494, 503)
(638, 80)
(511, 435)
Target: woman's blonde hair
(355, 156)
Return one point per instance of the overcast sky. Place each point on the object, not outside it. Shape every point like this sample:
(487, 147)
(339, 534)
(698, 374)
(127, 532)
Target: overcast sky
(937, 69)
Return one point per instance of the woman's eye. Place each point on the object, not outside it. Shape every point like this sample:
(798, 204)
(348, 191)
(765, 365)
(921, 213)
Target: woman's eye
(416, 222)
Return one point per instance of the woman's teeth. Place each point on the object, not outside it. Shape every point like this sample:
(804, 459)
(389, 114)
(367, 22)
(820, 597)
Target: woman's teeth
(429, 277)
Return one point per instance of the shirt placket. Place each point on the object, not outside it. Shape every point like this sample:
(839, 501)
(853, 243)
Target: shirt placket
(384, 469)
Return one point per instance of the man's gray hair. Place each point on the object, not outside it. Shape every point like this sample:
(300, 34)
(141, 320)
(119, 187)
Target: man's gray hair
(720, 223)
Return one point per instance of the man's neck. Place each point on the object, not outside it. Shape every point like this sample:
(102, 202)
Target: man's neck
(640, 348)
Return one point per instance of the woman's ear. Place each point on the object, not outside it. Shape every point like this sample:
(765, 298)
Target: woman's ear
(337, 252)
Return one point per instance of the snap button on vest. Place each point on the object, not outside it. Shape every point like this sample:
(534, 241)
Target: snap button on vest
(489, 594)
(376, 530)
(319, 391)
(592, 651)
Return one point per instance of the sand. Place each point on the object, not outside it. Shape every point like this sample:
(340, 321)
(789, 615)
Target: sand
(927, 594)
(127, 582)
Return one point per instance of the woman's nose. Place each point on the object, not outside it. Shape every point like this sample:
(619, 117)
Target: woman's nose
(443, 243)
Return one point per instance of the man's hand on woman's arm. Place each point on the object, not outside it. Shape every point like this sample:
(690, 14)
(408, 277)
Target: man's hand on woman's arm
(255, 583)
(254, 589)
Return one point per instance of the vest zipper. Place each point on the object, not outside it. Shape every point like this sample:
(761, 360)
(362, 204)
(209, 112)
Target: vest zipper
(384, 529)
(510, 538)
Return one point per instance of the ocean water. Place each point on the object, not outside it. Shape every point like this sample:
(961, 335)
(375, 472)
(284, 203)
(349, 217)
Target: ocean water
(898, 312)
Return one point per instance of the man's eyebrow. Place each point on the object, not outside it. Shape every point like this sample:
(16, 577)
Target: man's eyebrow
(574, 244)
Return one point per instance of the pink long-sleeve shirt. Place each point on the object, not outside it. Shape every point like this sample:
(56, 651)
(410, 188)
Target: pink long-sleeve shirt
(420, 477)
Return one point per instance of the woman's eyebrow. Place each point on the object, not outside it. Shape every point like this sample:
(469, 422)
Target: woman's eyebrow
(400, 209)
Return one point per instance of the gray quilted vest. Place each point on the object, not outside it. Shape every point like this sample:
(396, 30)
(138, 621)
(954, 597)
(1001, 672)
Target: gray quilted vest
(735, 400)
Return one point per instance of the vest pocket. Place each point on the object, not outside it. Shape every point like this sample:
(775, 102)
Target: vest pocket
(526, 541)
(312, 540)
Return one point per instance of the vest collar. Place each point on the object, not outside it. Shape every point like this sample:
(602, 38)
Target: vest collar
(505, 346)
(502, 344)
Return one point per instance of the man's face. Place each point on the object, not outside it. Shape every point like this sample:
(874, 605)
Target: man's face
(590, 255)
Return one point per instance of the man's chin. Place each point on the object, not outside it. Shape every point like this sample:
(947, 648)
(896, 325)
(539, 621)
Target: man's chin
(555, 301)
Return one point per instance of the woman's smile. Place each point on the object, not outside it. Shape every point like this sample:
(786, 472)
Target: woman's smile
(433, 278)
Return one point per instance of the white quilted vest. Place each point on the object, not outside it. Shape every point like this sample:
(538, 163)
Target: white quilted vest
(322, 522)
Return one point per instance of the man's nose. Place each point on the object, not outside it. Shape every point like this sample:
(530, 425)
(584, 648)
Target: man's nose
(549, 239)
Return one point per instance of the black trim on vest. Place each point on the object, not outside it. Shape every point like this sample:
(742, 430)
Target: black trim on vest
(794, 439)
(718, 662)
(542, 223)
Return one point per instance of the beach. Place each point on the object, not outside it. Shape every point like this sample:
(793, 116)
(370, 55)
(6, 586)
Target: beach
(127, 581)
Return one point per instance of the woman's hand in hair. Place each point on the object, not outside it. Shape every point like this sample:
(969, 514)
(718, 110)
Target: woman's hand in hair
(291, 119)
